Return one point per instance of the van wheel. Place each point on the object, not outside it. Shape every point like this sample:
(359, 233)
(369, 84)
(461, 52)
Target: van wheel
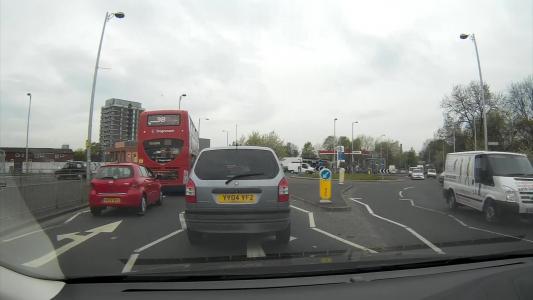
(142, 206)
(194, 237)
(490, 211)
(452, 203)
(283, 236)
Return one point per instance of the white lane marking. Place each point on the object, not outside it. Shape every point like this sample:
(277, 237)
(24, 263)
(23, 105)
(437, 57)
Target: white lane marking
(358, 198)
(311, 220)
(420, 237)
(421, 207)
(400, 194)
(76, 215)
(300, 209)
(458, 221)
(344, 241)
(292, 238)
(159, 240)
(76, 240)
(131, 261)
(312, 225)
(464, 224)
(254, 249)
(182, 221)
(407, 188)
(23, 235)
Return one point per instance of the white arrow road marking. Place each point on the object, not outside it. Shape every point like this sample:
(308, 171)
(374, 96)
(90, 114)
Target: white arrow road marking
(312, 226)
(76, 240)
(418, 236)
(409, 187)
(254, 248)
(74, 216)
(399, 194)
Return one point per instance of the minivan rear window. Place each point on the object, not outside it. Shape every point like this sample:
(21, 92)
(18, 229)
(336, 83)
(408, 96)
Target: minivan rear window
(115, 172)
(225, 163)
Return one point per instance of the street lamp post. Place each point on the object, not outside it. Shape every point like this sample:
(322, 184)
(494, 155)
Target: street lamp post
(482, 90)
(475, 134)
(334, 142)
(351, 156)
(28, 133)
(227, 137)
(199, 121)
(179, 102)
(108, 16)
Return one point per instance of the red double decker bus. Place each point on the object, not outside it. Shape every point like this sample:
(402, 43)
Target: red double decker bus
(168, 144)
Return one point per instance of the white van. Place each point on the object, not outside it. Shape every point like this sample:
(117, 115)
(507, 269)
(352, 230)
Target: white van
(495, 183)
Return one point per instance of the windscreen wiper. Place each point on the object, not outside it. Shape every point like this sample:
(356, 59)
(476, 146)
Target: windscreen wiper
(243, 175)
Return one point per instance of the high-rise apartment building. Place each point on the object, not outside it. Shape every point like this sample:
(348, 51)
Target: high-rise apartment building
(119, 121)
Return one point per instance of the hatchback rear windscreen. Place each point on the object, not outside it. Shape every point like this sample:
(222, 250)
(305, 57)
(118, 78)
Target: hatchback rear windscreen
(226, 163)
(115, 172)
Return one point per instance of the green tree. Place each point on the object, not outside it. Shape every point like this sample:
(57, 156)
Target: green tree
(308, 151)
(328, 143)
(292, 149)
(410, 158)
(79, 154)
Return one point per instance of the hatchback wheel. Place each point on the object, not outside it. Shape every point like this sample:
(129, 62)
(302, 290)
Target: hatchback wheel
(159, 201)
(142, 206)
(195, 237)
(283, 236)
(96, 211)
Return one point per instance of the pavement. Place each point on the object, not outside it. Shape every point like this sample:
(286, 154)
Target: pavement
(400, 217)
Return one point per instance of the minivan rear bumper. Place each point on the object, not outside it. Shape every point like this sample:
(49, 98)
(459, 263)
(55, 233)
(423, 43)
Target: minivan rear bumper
(232, 222)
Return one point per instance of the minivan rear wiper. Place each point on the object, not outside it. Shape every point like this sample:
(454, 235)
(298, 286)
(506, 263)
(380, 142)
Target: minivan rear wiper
(518, 174)
(243, 175)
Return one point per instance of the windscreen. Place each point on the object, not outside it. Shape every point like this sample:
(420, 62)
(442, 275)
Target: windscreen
(510, 165)
(347, 94)
(114, 172)
(224, 164)
(163, 150)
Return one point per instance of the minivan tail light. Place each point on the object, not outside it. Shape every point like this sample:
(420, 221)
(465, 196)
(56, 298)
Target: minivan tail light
(190, 191)
(283, 190)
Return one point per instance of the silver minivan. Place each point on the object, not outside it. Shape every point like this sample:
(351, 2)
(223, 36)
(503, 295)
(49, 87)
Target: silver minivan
(237, 190)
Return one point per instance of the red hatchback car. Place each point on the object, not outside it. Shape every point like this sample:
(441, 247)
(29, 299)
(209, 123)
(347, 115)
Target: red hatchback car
(124, 185)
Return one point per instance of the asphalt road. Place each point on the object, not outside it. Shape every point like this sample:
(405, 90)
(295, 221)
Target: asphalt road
(385, 217)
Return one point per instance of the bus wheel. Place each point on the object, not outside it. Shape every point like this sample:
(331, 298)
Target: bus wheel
(491, 212)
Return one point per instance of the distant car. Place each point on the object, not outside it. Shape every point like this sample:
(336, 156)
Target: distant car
(417, 173)
(237, 190)
(124, 185)
(411, 171)
(72, 170)
(432, 173)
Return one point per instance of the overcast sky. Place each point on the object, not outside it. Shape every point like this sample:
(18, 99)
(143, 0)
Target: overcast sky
(287, 66)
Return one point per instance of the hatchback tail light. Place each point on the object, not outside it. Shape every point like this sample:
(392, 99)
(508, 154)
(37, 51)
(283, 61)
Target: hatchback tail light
(190, 191)
(283, 190)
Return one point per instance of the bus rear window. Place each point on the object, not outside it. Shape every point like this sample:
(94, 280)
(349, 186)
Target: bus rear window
(163, 120)
(163, 150)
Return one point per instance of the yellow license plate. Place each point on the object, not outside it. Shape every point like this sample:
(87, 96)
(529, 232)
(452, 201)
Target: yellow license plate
(236, 198)
(111, 200)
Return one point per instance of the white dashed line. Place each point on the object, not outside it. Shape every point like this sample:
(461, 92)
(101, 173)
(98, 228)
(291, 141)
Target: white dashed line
(159, 240)
(312, 226)
(407, 188)
(76, 215)
(131, 261)
(418, 236)
(254, 249)
(182, 220)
